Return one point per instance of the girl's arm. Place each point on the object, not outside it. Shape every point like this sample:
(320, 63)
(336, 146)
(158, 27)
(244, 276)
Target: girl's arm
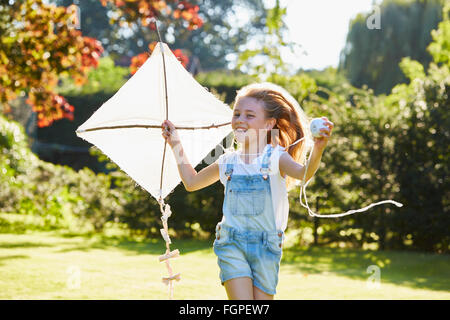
(191, 179)
(295, 170)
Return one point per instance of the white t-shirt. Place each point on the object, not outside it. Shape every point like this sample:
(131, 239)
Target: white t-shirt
(277, 182)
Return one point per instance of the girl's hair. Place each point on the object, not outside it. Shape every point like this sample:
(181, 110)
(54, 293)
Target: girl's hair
(291, 121)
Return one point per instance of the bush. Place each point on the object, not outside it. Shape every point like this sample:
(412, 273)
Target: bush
(60, 196)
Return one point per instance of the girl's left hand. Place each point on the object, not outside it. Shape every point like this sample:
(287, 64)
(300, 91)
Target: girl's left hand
(321, 143)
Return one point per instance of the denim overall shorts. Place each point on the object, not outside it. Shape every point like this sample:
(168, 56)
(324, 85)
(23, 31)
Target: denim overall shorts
(247, 242)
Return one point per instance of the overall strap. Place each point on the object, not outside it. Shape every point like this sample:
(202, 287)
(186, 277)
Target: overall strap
(229, 170)
(265, 167)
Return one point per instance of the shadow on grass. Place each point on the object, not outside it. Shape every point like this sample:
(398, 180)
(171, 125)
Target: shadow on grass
(133, 246)
(96, 241)
(24, 245)
(411, 269)
(12, 257)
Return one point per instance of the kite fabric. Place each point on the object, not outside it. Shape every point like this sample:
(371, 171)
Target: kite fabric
(127, 128)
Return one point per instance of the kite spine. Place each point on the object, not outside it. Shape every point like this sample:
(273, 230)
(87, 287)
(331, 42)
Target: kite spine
(165, 208)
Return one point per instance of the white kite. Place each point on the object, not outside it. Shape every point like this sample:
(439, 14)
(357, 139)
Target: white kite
(127, 128)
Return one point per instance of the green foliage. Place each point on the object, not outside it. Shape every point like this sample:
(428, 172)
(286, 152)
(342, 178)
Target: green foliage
(376, 142)
(402, 145)
(105, 78)
(394, 147)
(371, 56)
(275, 18)
(355, 169)
(224, 83)
(440, 47)
(383, 147)
(299, 86)
(59, 196)
(412, 69)
(223, 32)
(329, 78)
(13, 144)
(265, 60)
(224, 77)
(219, 36)
(422, 146)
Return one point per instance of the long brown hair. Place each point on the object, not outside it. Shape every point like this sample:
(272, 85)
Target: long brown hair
(291, 121)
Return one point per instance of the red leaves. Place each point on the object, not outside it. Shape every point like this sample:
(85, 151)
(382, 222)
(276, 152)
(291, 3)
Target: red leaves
(56, 107)
(40, 41)
(180, 56)
(92, 50)
(143, 10)
(32, 57)
(139, 60)
(188, 12)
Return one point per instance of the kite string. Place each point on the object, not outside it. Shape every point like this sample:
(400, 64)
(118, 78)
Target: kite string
(303, 186)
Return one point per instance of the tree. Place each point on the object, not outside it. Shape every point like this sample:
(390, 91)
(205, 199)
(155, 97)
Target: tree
(39, 42)
(265, 60)
(222, 33)
(423, 146)
(372, 56)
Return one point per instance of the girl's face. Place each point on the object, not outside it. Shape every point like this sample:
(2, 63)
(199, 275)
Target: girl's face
(249, 121)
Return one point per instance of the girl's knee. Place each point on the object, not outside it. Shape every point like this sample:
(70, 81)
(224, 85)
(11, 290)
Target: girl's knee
(258, 294)
(239, 288)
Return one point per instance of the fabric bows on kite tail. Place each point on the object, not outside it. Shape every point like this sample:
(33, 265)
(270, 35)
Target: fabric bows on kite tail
(166, 213)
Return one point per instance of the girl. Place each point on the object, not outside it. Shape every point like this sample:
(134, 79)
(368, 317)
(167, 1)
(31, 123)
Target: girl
(266, 122)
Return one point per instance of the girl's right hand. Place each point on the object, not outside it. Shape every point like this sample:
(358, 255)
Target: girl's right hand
(169, 133)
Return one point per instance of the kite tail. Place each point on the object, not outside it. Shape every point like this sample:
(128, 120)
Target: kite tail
(166, 213)
(337, 215)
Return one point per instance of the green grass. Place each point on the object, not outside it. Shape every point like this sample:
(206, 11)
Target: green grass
(44, 265)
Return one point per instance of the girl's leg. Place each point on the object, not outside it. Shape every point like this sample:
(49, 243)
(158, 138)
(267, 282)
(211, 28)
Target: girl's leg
(239, 288)
(261, 295)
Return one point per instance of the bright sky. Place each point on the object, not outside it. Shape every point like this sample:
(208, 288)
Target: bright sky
(320, 27)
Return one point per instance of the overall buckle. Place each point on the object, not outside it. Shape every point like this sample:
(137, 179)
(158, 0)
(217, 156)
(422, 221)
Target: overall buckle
(265, 172)
(228, 174)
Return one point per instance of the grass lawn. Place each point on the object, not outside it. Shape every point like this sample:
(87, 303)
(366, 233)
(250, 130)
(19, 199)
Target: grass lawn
(48, 265)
